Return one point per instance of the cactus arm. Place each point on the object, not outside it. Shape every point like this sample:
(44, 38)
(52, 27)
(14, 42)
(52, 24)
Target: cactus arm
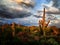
(40, 27)
(47, 23)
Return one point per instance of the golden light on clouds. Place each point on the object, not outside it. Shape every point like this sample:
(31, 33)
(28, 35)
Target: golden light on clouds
(18, 8)
(27, 2)
(24, 1)
(18, 1)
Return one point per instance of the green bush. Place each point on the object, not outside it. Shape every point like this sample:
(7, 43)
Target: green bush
(18, 30)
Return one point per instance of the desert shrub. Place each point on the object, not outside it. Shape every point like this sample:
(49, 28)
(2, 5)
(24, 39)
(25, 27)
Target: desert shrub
(6, 36)
(18, 30)
(50, 41)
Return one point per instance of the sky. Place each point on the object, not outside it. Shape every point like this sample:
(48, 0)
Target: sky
(29, 12)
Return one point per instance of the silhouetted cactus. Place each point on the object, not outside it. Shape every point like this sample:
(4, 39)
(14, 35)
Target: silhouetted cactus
(42, 23)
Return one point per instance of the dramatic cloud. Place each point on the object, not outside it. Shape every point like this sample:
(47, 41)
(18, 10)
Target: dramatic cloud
(56, 3)
(51, 10)
(16, 8)
(53, 7)
(37, 16)
(55, 23)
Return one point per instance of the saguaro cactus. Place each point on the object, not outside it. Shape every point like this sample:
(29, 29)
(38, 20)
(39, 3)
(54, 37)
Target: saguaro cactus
(43, 24)
(13, 29)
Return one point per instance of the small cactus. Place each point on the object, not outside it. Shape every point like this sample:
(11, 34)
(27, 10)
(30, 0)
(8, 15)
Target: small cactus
(13, 29)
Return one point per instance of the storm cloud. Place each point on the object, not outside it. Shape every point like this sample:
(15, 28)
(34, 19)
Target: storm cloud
(56, 23)
(16, 8)
(56, 3)
(53, 7)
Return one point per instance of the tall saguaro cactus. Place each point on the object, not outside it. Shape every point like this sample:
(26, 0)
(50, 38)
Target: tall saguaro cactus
(42, 23)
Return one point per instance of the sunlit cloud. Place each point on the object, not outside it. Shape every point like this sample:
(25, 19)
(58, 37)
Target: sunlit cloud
(53, 6)
(55, 23)
(16, 8)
